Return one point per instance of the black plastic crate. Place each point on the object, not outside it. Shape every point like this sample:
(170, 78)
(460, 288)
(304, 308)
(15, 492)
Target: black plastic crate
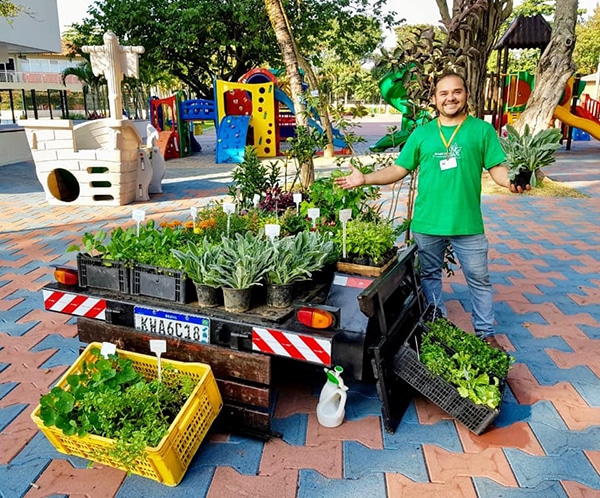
(101, 273)
(408, 367)
(161, 283)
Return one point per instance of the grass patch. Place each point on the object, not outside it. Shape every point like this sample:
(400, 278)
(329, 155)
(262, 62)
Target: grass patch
(547, 188)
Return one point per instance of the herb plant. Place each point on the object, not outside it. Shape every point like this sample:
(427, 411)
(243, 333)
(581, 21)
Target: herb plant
(372, 240)
(243, 261)
(110, 398)
(527, 153)
(198, 262)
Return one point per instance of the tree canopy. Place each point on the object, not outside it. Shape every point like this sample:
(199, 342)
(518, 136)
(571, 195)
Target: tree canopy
(199, 40)
(587, 47)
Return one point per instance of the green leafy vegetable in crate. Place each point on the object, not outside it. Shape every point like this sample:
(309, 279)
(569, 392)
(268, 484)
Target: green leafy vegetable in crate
(110, 398)
(465, 361)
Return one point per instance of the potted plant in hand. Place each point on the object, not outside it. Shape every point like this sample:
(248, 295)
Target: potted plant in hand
(526, 154)
(242, 264)
(198, 263)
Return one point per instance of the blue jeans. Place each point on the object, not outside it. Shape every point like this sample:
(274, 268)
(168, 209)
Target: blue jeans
(472, 254)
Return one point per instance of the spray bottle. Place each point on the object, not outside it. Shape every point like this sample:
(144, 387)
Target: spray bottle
(331, 408)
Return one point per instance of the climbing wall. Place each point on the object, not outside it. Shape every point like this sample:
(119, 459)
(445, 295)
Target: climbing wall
(231, 139)
(263, 115)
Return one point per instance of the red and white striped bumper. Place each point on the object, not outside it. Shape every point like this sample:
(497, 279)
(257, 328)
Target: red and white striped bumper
(297, 346)
(74, 304)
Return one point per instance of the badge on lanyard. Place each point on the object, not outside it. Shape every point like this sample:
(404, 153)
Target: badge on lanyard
(448, 163)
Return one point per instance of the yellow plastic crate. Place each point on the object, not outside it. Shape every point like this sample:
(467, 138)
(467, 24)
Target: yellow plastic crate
(168, 462)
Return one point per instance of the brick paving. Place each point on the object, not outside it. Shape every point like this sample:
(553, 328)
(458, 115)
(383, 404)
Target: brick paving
(545, 263)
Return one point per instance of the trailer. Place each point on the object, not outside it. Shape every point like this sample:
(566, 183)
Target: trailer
(372, 317)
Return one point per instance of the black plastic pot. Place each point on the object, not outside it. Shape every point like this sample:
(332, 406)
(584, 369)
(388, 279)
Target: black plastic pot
(522, 179)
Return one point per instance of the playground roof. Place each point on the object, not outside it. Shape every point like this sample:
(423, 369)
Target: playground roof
(526, 32)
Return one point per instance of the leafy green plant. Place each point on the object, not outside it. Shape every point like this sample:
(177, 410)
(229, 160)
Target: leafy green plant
(295, 258)
(527, 153)
(91, 243)
(198, 261)
(252, 177)
(287, 264)
(330, 199)
(243, 261)
(372, 240)
(151, 246)
(465, 361)
(110, 398)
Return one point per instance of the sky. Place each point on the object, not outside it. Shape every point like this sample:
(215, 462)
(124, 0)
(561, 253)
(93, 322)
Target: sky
(418, 12)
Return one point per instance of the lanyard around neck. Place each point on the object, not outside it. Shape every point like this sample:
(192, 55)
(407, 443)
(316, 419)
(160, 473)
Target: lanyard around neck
(449, 142)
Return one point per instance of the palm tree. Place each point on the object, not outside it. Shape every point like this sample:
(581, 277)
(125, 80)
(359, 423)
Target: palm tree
(89, 81)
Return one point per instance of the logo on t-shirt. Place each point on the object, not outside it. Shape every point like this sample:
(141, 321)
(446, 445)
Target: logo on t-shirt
(454, 151)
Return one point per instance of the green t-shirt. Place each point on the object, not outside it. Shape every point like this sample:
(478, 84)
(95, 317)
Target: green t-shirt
(448, 198)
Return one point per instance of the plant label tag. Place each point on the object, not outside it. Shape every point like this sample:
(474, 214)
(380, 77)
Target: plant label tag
(345, 215)
(314, 213)
(158, 346)
(297, 197)
(194, 212)
(272, 230)
(107, 349)
(256, 200)
(138, 215)
(314, 93)
(228, 207)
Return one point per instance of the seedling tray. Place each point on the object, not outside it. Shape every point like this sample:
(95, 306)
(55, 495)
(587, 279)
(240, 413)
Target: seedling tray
(407, 366)
(101, 273)
(476, 418)
(161, 283)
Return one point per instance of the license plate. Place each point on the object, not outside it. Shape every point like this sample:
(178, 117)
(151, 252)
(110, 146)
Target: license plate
(170, 324)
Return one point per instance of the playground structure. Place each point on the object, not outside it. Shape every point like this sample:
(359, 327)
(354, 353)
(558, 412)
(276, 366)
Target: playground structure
(100, 162)
(581, 113)
(574, 110)
(253, 111)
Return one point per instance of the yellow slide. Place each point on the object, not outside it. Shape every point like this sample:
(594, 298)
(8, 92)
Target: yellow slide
(583, 124)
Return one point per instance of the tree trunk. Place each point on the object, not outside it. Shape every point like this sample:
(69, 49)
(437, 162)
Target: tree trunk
(285, 39)
(473, 31)
(323, 106)
(554, 69)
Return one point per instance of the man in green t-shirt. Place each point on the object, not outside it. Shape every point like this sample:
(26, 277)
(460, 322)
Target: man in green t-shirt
(450, 152)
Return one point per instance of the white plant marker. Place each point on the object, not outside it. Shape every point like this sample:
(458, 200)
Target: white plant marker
(138, 216)
(194, 213)
(297, 201)
(344, 215)
(255, 200)
(158, 347)
(313, 214)
(272, 230)
(107, 349)
(228, 208)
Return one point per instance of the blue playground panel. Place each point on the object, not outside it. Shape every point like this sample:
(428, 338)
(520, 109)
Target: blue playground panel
(231, 139)
(580, 135)
(198, 110)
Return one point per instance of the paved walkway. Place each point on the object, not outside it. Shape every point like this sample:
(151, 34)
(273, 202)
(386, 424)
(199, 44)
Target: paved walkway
(546, 443)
